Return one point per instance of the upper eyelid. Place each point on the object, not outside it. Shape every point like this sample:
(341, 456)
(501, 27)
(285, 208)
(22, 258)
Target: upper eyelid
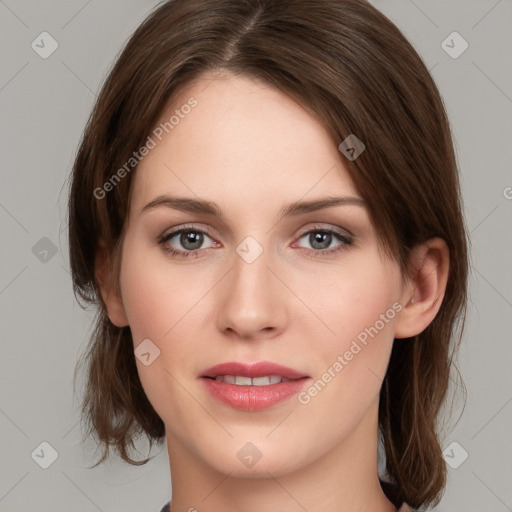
(180, 229)
(322, 227)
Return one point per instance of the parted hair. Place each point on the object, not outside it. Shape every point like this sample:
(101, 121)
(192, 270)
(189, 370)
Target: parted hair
(351, 67)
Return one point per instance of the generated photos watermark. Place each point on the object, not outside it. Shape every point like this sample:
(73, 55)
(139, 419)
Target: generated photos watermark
(344, 359)
(151, 142)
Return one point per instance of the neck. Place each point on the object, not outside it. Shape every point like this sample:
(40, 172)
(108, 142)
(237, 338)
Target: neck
(342, 480)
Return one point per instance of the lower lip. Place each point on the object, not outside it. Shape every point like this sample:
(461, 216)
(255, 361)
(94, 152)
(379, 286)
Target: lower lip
(253, 398)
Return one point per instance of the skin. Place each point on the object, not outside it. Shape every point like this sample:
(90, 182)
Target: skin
(252, 150)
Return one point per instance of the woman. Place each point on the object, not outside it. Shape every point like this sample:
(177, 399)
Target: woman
(265, 208)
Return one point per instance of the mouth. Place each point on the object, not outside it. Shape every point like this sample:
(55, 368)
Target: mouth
(240, 380)
(252, 387)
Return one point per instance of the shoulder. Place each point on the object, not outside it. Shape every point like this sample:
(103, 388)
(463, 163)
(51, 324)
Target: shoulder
(403, 508)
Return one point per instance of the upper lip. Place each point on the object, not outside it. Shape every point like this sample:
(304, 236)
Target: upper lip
(259, 369)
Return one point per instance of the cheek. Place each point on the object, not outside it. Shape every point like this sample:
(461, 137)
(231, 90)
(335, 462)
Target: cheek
(159, 307)
(163, 307)
(358, 312)
(352, 301)
(149, 308)
(156, 295)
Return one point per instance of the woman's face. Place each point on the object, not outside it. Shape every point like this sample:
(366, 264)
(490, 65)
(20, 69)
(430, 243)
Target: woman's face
(307, 290)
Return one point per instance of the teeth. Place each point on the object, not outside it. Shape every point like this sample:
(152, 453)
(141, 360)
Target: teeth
(247, 381)
(243, 381)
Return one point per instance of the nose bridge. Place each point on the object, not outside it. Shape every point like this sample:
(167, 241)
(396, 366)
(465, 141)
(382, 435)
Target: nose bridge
(252, 299)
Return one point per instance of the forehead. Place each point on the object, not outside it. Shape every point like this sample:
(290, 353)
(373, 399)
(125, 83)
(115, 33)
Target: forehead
(239, 138)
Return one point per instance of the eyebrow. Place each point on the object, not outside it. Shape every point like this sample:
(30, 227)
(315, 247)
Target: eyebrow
(188, 204)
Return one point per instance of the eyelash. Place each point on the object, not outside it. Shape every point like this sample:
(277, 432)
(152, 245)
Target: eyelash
(346, 242)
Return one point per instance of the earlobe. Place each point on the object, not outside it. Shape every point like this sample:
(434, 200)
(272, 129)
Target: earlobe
(112, 300)
(422, 297)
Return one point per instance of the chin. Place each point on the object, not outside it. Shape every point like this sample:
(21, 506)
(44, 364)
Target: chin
(252, 460)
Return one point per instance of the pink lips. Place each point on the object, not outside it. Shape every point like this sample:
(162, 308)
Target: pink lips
(251, 397)
(252, 370)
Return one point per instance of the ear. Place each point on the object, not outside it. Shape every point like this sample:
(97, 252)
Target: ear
(112, 300)
(426, 285)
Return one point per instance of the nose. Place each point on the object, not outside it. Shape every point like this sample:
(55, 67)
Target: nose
(252, 301)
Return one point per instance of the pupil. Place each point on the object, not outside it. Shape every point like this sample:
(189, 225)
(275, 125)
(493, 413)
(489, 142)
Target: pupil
(321, 238)
(191, 240)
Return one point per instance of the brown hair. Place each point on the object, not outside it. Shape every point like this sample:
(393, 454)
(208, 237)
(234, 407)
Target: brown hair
(352, 68)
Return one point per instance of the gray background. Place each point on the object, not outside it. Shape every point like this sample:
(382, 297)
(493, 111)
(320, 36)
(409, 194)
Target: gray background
(45, 103)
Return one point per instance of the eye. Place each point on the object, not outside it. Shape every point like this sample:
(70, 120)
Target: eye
(325, 241)
(188, 240)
